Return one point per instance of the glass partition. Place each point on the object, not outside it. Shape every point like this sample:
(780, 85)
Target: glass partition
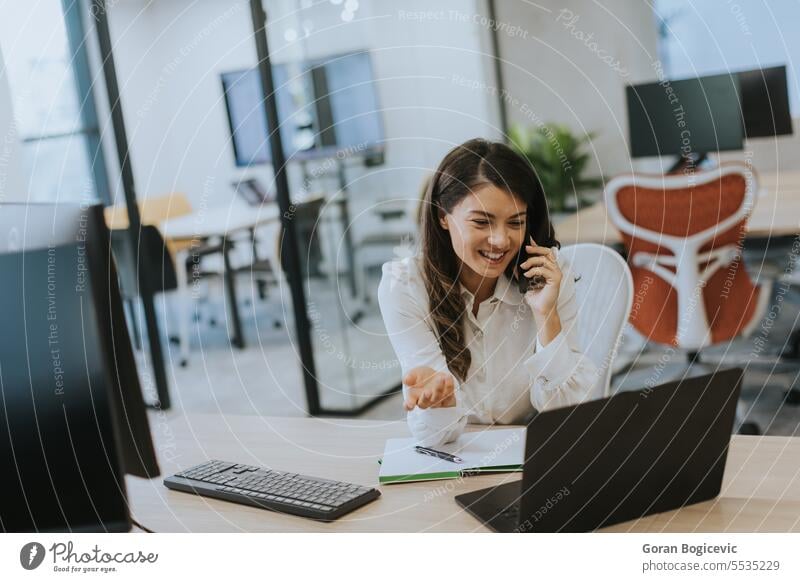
(380, 98)
(369, 100)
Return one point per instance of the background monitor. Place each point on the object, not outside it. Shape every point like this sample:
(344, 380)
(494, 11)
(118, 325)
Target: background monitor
(72, 410)
(684, 117)
(765, 102)
(324, 106)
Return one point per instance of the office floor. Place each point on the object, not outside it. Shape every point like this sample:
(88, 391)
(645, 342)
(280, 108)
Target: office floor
(264, 378)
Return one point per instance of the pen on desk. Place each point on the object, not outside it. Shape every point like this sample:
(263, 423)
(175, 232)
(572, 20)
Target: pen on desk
(438, 454)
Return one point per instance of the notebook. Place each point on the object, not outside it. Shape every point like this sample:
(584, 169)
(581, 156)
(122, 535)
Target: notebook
(484, 451)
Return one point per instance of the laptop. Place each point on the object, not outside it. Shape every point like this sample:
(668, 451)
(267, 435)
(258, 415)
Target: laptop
(607, 461)
(253, 192)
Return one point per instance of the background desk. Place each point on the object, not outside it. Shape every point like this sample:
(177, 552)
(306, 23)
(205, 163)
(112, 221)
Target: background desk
(181, 227)
(209, 223)
(761, 490)
(776, 213)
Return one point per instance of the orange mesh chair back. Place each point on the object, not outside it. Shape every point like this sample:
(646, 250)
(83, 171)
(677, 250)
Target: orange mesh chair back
(683, 234)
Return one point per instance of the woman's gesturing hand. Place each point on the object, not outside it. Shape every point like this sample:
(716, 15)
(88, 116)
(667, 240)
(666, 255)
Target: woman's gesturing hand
(542, 262)
(428, 388)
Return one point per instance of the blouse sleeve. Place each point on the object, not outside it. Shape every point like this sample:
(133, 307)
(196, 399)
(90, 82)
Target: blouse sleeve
(405, 314)
(561, 375)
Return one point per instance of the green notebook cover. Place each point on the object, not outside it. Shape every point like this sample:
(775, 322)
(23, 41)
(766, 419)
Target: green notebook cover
(485, 451)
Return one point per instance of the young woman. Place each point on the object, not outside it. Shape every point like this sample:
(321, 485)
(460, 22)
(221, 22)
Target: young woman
(471, 346)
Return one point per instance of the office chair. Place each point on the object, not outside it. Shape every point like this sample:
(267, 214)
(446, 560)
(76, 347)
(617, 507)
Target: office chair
(307, 225)
(398, 227)
(683, 235)
(150, 252)
(153, 211)
(261, 268)
(604, 294)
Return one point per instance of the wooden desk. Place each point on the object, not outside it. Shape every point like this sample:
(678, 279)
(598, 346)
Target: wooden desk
(776, 213)
(221, 222)
(761, 489)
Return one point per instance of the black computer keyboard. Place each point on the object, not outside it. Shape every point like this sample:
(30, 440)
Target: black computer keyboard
(285, 492)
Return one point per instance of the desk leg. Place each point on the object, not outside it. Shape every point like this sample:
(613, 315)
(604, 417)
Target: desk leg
(352, 275)
(184, 309)
(349, 248)
(235, 324)
(344, 210)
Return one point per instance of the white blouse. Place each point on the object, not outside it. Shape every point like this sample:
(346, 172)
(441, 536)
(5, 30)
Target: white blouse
(511, 372)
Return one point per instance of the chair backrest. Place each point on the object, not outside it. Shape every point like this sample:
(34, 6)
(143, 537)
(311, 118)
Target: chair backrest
(683, 234)
(604, 294)
(151, 254)
(307, 219)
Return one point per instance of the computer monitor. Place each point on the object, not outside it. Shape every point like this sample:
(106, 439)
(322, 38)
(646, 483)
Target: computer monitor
(324, 106)
(765, 102)
(72, 410)
(685, 117)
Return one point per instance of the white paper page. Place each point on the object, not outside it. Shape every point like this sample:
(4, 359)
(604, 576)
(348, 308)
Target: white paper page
(478, 449)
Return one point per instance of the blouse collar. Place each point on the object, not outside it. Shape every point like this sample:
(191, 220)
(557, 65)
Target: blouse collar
(505, 290)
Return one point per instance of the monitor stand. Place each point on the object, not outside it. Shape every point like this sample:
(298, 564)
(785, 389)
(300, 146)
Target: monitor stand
(688, 163)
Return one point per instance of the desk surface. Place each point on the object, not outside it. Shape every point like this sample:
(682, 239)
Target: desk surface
(761, 489)
(221, 221)
(775, 213)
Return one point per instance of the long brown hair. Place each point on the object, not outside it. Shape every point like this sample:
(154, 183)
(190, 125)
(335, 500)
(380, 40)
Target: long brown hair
(474, 163)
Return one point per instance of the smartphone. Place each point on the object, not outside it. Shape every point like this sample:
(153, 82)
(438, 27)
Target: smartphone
(534, 283)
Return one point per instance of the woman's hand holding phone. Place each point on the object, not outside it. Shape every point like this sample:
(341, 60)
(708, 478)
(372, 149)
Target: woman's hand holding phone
(542, 263)
(427, 388)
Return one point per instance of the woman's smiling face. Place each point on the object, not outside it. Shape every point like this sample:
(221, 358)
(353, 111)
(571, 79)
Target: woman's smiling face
(487, 229)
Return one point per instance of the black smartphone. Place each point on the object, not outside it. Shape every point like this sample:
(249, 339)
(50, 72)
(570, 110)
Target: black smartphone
(524, 284)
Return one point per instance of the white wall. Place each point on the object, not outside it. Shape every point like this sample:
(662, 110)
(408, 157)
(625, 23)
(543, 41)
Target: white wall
(436, 89)
(570, 65)
(13, 171)
(169, 56)
(556, 68)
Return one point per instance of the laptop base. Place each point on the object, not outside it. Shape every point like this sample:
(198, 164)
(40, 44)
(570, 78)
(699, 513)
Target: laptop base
(497, 507)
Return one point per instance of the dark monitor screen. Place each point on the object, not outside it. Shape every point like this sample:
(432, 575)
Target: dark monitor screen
(248, 122)
(73, 416)
(324, 106)
(684, 117)
(765, 102)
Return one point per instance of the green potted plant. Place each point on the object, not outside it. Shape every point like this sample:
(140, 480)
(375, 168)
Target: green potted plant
(559, 158)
